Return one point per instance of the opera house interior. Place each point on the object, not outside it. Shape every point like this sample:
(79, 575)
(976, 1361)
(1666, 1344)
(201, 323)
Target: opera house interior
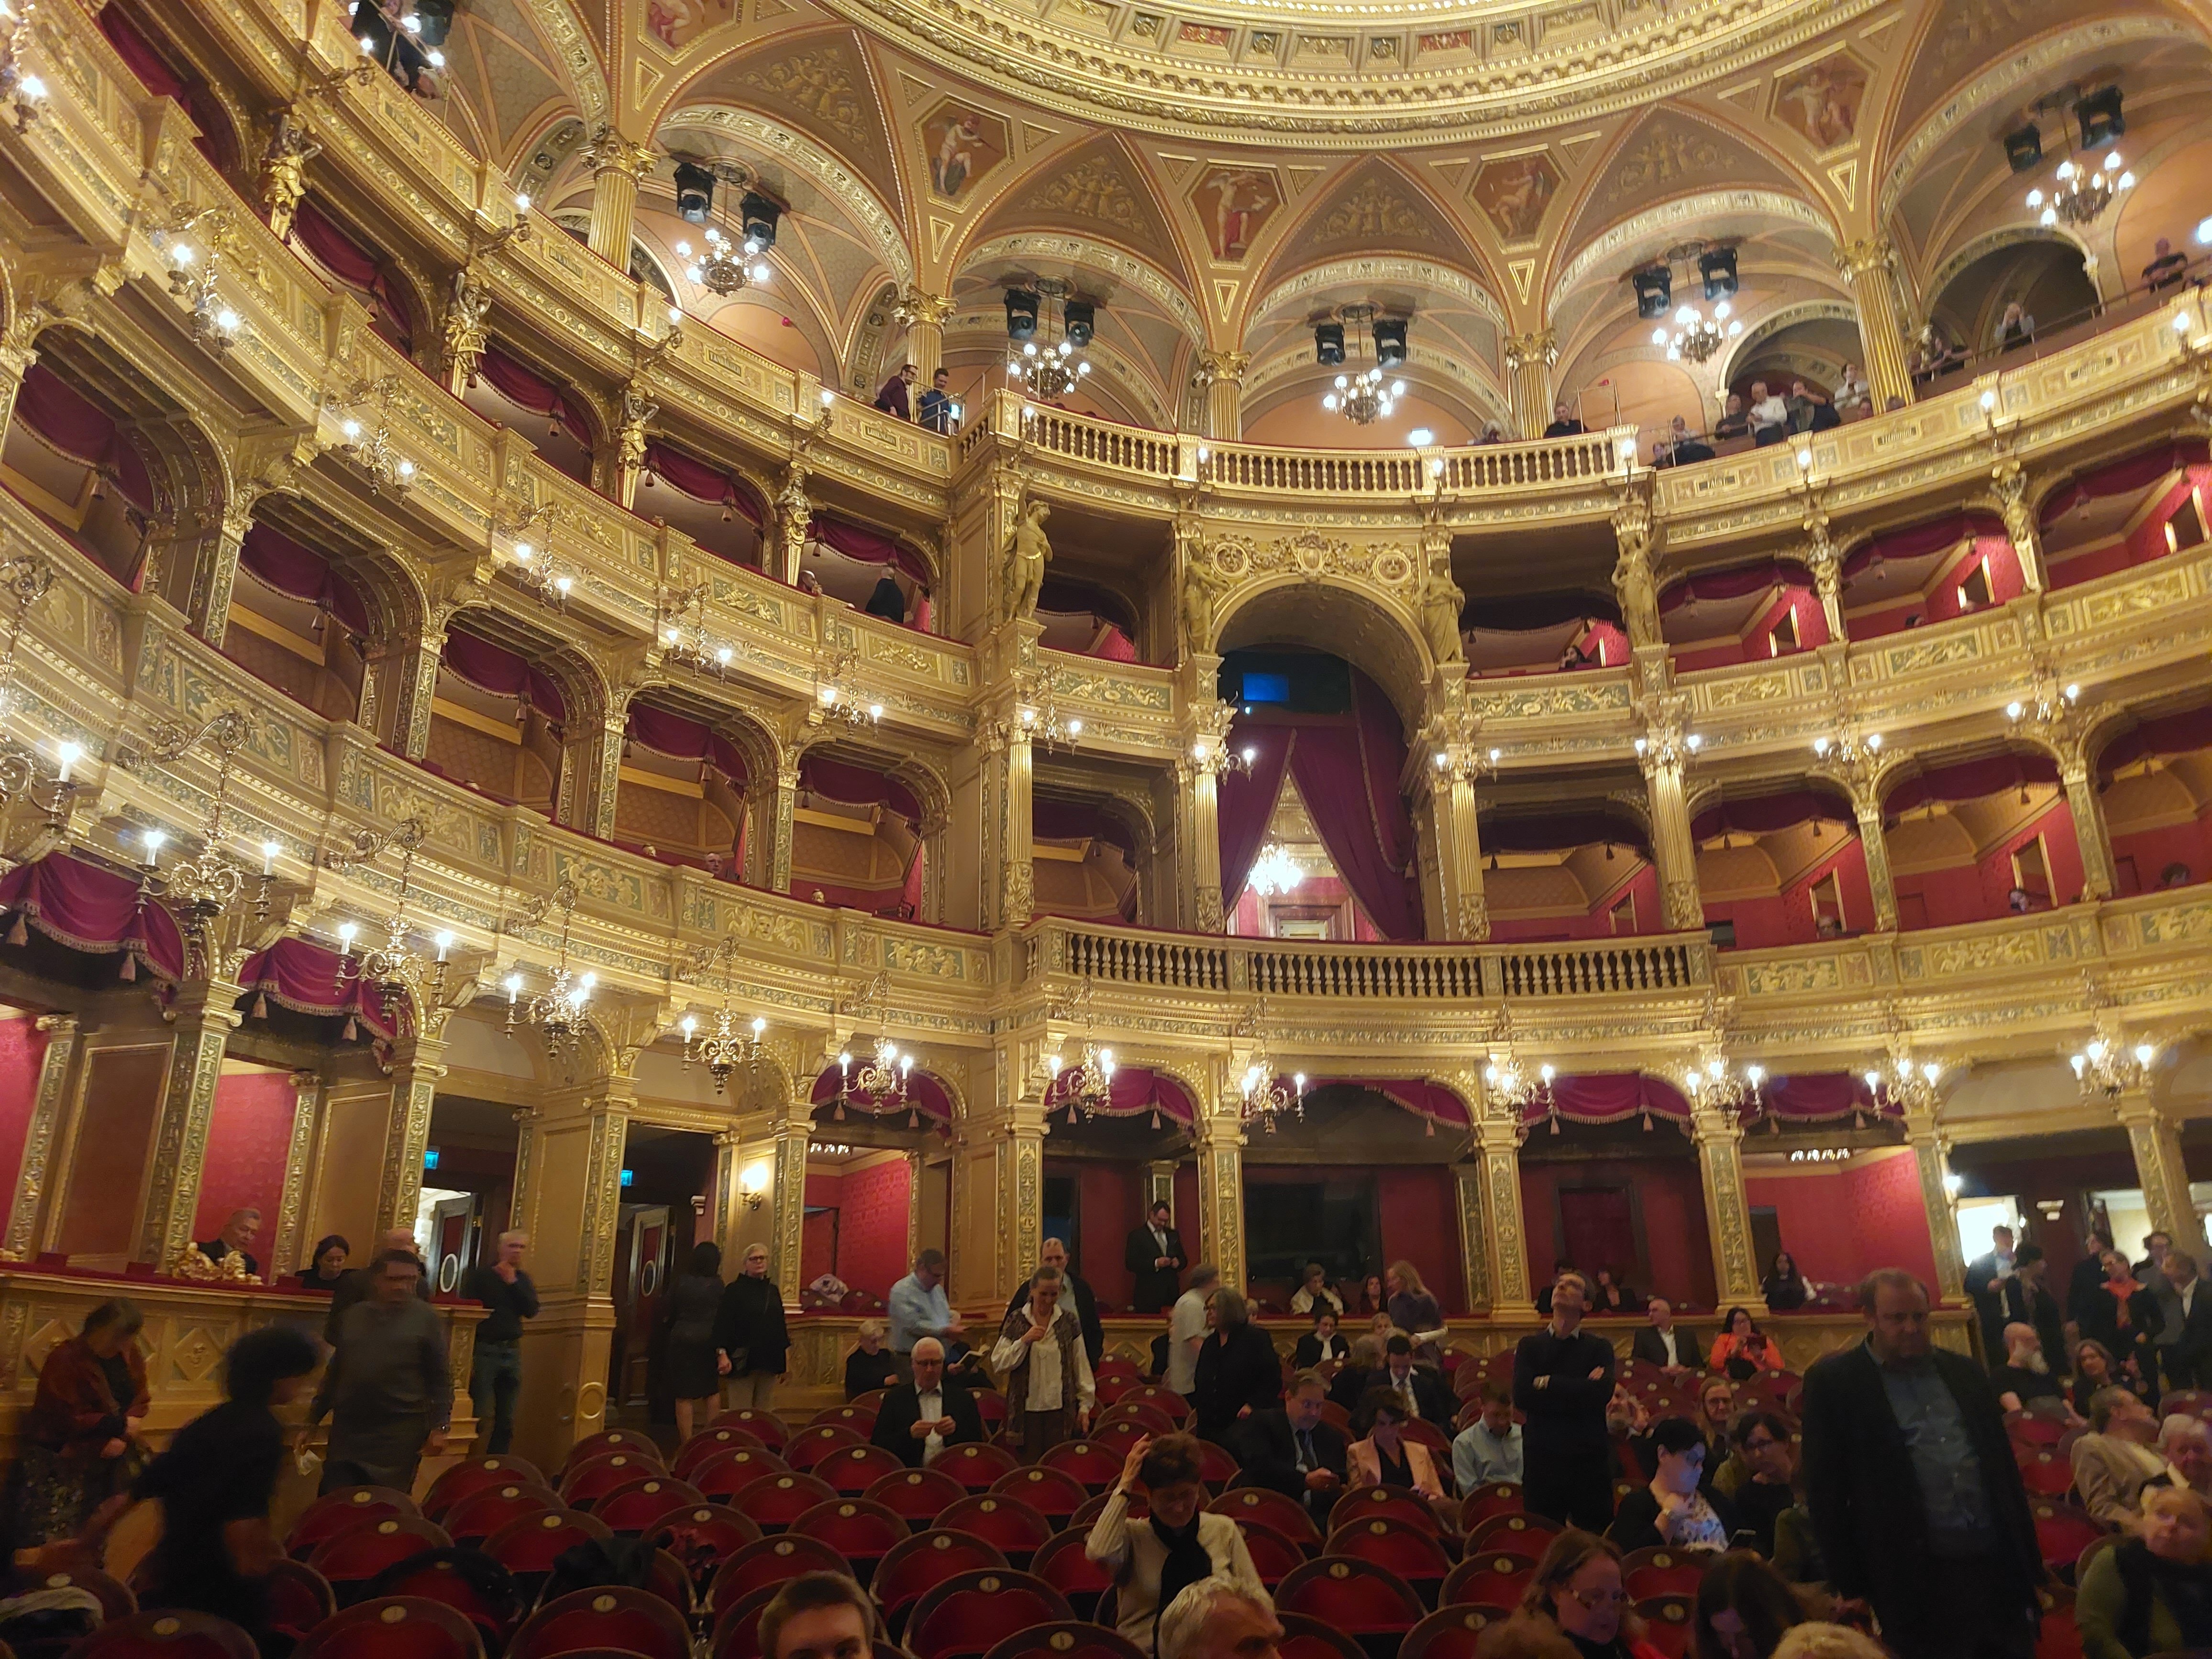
(1491, 636)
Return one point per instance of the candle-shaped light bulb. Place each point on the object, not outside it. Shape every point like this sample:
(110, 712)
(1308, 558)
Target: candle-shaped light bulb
(759, 1025)
(69, 754)
(153, 839)
(689, 1026)
(444, 943)
(513, 983)
(346, 931)
(845, 1062)
(269, 851)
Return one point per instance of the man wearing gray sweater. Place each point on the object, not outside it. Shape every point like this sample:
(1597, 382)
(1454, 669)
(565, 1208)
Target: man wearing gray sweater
(387, 1391)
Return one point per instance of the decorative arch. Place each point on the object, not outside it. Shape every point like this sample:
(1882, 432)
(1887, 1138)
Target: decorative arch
(1803, 311)
(1087, 253)
(1378, 268)
(572, 44)
(1683, 214)
(1325, 606)
(1994, 241)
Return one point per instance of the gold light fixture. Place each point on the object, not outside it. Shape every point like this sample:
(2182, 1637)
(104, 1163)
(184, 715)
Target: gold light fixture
(726, 263)
(394, 969)
(1087, 1087)
(1263, 1095)
(884, 1072)
(2105, 1069)
(1041, 717)
(835, 699)
(723, 1049)
(1907, 1085)
(2079, 194)
(26, 579)
(1363, 396)
(366, 442)
(200, 889)
(192, 278)
(1712, 1087)
(23, 91)
(1051, 367)
(557, 1011)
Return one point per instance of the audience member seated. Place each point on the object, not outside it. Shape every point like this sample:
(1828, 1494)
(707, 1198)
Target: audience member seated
(1784, 1290)
(1809, 411)
(871, 1365)
(1819, 1639)
(1768, 415)
(1565, 426)
(1766, 1491)
(237, 1233)
(1489, 1449)
(1734, 421)
(1670, 1510)
(2186, 1444)
(1322, 1342)
(1853, 394)
(2113, 1462)
(1680, 447)
(329, 1265)
(1743, 1607)
(77, 1449)
(1154, 1561)
(1237, 1372)
(1289, 1449)
(1576, 1593)
(2094, 1370)
(1349, 1386)
(919, 1420)
(1383, 1456)
(1742, 1349)
(1220, 1618)
(1316, 1291)
(1492, 433)
(1373, 1298)
(1421, 1392)
(2025, 1374)
(1934, 355)
(1717, 1410)
(2016, 328)
(2151, 1593)
(1609, 1297)
(2167, 268)
(1664, 1344)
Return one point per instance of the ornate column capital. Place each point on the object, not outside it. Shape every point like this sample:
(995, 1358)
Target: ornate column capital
(1856, 258)
(915, 306)
(1537, 345)
(608, 151)
(1220, 368)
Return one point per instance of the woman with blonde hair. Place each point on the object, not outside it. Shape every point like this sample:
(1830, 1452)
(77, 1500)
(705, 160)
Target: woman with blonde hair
(1412, 1309)
(1818, 1641)
(1576, 1593)
(2151, 1592)
(871, 1365)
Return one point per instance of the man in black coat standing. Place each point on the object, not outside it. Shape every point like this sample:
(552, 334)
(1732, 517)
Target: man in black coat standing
(1291, 1450)
(1055, 1254)
(1156, 1258)
(1562, 1381)
(919, 1420)
(1915, 1498)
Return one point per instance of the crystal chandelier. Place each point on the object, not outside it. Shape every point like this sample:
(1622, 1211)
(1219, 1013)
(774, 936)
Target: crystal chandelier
(1361, 396)
(2106, 1070)
(726, 263)
(834, 698)
(2079, 194)
(1086, 1087)
(1696, 336)
(1052, 369)
(1511, 1085)
(1264, 1095)
(1713, 1088)
(883, 1075)
(394, 969)
(723, 1050)
(199, 889)
(1275, 871)
(558, 1010)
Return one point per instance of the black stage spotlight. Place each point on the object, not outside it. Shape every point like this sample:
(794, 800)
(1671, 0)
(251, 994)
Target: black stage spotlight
(1718, 269)
(695, 191)
(2099, 117)
(1390, 341)
(2024, 148)
(434, 20)
(1329, 345)
(1081, 318)
(1021, 313)
(758, 215)
(1654, 291)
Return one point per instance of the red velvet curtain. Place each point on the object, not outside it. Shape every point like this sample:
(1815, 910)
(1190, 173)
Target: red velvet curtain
(2184, 733)
(358, 268)
(2138, 472)
(217, 140)
(1245, 801)
(1970, 780)
(301, 572)
(524, 386)
(684, 740)
(302, 975)
(1610, 1097)
(1922, 540)
(867, 546)
(856, 786)
(1763, 814)
(1556, 831)
(1135, 1090)
(504, 673)
(696, 479)
(1736, 584)
(925, 1094)
(1818, 1096)
(75, 426)
(93, 911)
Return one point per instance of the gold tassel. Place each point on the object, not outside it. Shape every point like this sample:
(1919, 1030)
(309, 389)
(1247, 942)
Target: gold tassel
(913, 1119)
(1156, 1117)
(130, 966)
(261, 1007)
(1647, 1121)
(840, 1110)
(1428, 1127)
(352, 1029)
(19, 934)
(1555, 1122)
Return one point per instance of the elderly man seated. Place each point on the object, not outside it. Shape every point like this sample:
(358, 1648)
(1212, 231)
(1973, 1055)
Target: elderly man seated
(2113, 1463)
(2025, 1374)
(2186, 1444)
(1219, 1617)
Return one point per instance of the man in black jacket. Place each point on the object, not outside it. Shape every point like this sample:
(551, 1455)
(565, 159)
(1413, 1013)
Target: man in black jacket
(2082, 1285)
(1421, 1391)
(1292, 1451)
(1915, 1498)
(919, 1420)
(1055, 1254)
(1155, 1256)
(1662, 1343)
(2028, 1302)
(2189, 1357)
(1562, 1381)
(1987, 1276)
(354, 1287)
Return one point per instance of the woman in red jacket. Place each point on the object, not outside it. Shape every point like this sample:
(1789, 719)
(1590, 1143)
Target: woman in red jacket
(77, 1446)
(1742, 1349)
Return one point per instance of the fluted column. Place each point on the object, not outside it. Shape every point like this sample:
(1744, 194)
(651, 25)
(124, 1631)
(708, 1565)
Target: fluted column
(1199, 796)
(617, 166)
(1529, 360)
(1461, 909)
(1009, 841)
(925, 316)
(1221, 1148)
(1664, 754)
(2099, 879)
(1719, 1137)
(204, 1014)
(1929, 1149)
(62, 1035)
(1870, 265)
(418, 1065)
(1873, 842)
(1504, 1237)
(794, 1135)
(299, 1162)
(1220, 375)
(2160, 1170)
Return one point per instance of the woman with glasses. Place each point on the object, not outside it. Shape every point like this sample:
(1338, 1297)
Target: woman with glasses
(1577, 1594)
(1671, 1511)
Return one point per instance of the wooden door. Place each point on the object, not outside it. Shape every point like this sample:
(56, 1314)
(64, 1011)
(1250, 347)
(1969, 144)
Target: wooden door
(453, 1224)
(641, 1277)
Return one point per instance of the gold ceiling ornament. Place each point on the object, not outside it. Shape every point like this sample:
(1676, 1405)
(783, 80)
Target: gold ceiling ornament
(836, 697)
(880, 1085)
(557, 1011)
(722, 1050)
(395, 968)
(1263, 1096)
(1086, 1088)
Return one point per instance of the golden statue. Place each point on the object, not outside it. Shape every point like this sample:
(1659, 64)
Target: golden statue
(284, 172)
(1203, 584)
(1027, 554)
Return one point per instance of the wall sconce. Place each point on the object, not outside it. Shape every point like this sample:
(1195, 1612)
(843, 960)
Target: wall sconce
(752, 1184)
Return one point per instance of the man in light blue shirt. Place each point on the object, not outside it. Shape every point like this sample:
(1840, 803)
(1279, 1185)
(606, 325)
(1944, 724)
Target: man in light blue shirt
(920, 1308)
(1489, 1449)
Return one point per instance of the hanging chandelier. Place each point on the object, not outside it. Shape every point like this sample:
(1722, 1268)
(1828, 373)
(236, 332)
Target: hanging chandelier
(833, 696)
(723, 1050)
(1713, 1087)
(727, 263)
(1696, 336)
(2106, 1070)
(1910, 1088)
(880, 1084)
(396, 970)
(1264, 1097)
(1051, 367)
(1511, 1085)
(1275, 871)
(557, 1011)
(2079, 195)
(1361, 395)
(368, 443)
(1086, 1087)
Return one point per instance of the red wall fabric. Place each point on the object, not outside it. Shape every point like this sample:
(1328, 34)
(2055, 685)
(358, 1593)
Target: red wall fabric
(1842, 1221)
(871, 1233)
(1942, 603)
(249, 1138)
(2140, 857)
(2145, 543)
(1595, 923)
(1679, 1260)
(1787, 919)
(1943, 898)
(1417, 1209)
(22, 1052)
(1812, 631)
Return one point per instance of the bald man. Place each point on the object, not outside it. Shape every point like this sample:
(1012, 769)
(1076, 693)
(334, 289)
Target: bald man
(237, 1233)
(919, 1420)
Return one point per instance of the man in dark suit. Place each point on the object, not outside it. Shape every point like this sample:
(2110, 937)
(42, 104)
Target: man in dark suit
(1421, 1391)
(1055, 1254)
(1915, 1498)
(2084, 1286)
(1291, 1450)
(2029, 1302)
(2188, 1356)
(1664, 1344)
(1156, 1258)
(1563, 1381)
(919, 1420)
(1986, 1278)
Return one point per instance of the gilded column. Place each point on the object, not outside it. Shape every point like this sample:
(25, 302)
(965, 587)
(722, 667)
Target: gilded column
(1929, 1149)
(1870, 265)
(1221, 1148)
(2009, 487)
(1873, 842)
(596, 758)
(914, 1167)
(1018, 1151)
(1199, 838)
(2161, 1169)
(617, 168)
(407, 677)
(216, 573)
(1719, 1137)
(2099, 878)
(608, 1132)
(525, 1160)
(721, 1217)
(15, 363)
(1461, 906)
(1009, 763)
(794, 1127)
(1220, 375)
(780, 811)
(205, 1013)
(1473, 1236)
(299, 1161)
(1505, 1259)
(1529, 360)
(417, 1064)
(1663, 753)
(925, 316)
(61, 1034)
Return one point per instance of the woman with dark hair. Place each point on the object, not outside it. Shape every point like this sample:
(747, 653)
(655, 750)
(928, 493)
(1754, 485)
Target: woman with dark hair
(1609, 1296)
(1576, 1593)
(1670, 1510)
(77, 1447)
(1383, 1456)
(2123, 1315)
(687, 1313)
(1741, 1349)
(1239, 1372)
(1322, 1342)
(215, 1483)
(1786, 1289)
(1373, 1298)
(1178, 1544)
(327, 1266)
(1743, 1607)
